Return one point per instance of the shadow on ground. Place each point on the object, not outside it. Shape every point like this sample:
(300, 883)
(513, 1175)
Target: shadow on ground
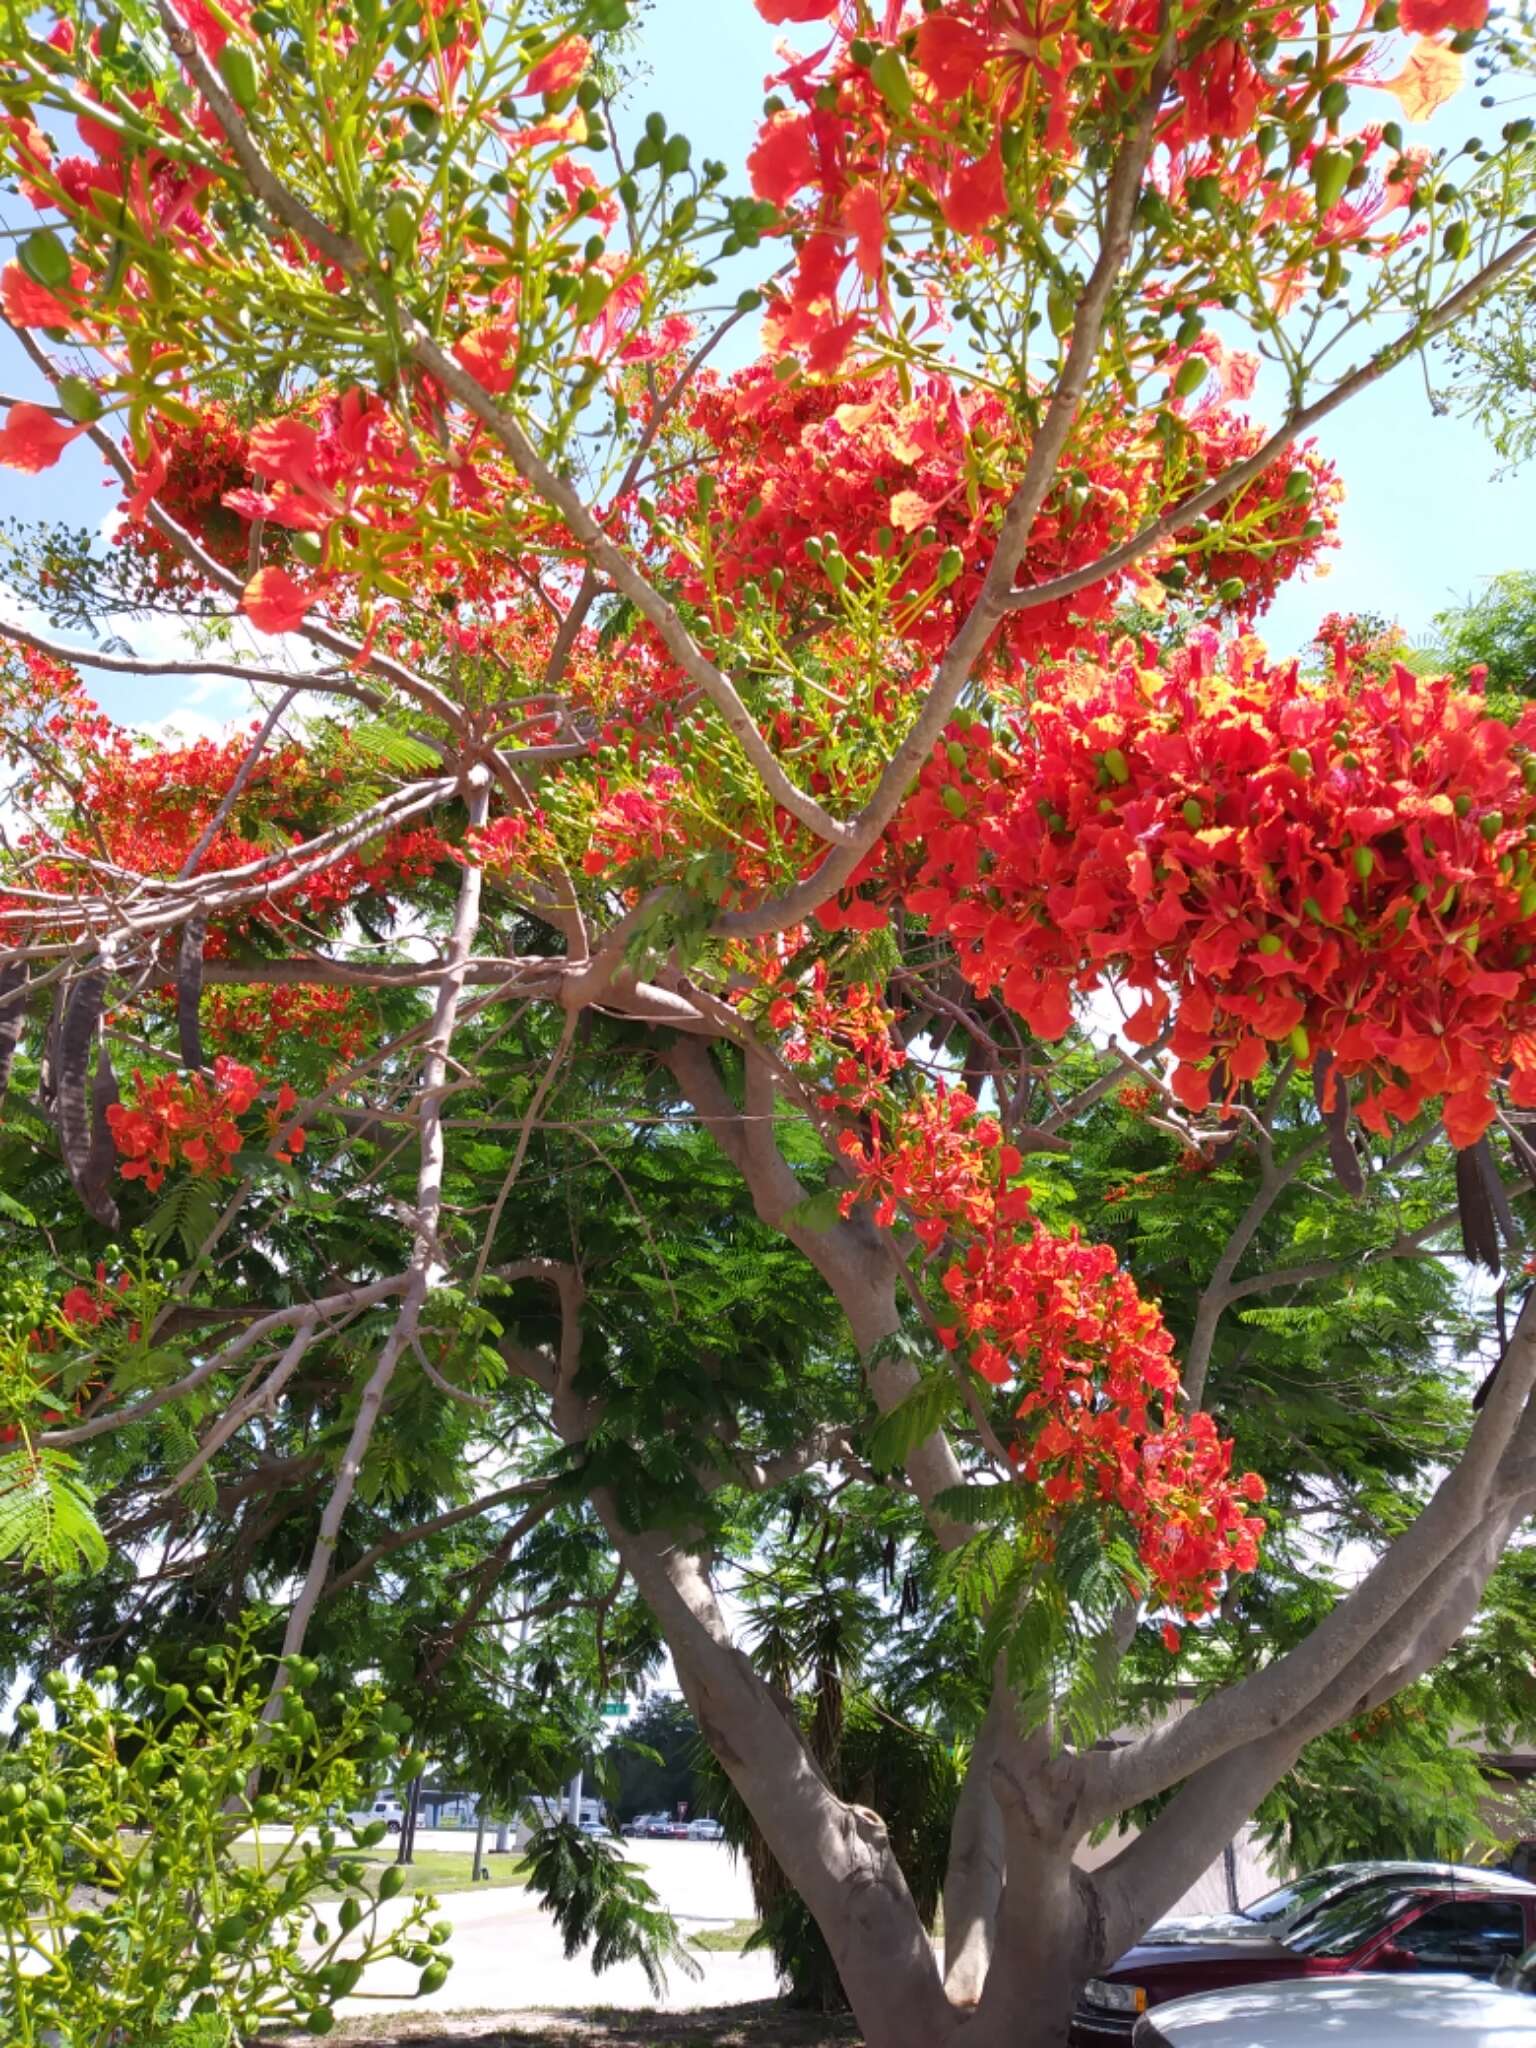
(768, 2025)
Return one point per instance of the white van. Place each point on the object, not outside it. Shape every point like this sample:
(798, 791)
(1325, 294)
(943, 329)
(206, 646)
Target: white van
(384, 1808)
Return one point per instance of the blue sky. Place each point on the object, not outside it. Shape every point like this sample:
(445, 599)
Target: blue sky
(1424, 522)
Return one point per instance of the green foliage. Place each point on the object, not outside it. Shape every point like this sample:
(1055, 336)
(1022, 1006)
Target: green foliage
(1395, 1783)
(391, 748)
(1495, 630)
(125, 1915)
(1494, 364)
(913, 1420)
(656, 1767)
(47, 1516)
(594, 1896)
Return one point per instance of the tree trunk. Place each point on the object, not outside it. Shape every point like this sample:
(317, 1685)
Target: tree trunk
(973, 1882)
(836, 1855)
(407, 1850)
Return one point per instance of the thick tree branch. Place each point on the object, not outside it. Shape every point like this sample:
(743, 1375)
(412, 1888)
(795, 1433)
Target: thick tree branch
(1218, 1293)
(1279, 1696)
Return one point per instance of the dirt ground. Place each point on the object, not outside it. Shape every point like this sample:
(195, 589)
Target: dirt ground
(739, 2026)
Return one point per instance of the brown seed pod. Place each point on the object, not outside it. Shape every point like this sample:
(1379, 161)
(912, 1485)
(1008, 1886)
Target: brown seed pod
(1476, 1205)
(189, 990)
(1334, 1105)
(79, 1019)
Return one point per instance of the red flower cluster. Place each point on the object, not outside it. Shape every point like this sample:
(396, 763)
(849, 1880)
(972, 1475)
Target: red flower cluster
(192, 1121)
(84, 1307)
(631, 826)
(333, 1018)
(851, 1026)
(1060, 1320)
(967, 113)
(513, 844)
(1348, 866)
(48, 724)
(188, 470)
(876, 483)
(152, 805)
(149, 808)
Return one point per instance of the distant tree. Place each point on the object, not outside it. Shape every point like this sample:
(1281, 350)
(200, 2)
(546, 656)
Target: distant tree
(1495, 630)
(655, 1768)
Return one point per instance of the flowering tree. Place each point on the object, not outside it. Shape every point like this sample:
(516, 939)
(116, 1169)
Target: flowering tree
(815, 739)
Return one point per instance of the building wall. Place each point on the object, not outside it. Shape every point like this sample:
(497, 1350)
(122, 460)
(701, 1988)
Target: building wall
(1208, 1894)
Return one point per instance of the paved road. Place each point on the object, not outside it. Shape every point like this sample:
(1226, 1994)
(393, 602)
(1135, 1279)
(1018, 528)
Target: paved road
(508, 1954)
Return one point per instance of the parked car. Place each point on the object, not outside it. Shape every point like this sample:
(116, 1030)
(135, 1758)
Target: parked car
(390, 1811)
(647, 1826)
(705, 1830)
(1473, 1923)
(650, 1827)
(1289, 1904)
(1348, 2012)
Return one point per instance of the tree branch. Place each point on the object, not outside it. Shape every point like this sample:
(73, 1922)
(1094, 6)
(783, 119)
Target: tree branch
(1279, 1696)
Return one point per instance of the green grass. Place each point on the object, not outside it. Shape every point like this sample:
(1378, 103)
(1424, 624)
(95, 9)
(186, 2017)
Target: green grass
(433, 1870)
(728, 1940)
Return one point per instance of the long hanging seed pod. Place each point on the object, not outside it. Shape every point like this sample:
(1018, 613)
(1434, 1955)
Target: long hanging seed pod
(104, 1096)
(77, 1034)
(1488, 1166)
(13, 1014)
(1334, 1105)
(48, 1068)
(1475, 1206)
(189, 990)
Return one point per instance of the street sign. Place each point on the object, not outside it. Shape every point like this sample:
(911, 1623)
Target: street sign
(615, 1710)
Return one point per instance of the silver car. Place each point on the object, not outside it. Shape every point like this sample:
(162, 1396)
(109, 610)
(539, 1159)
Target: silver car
(1348, 2012)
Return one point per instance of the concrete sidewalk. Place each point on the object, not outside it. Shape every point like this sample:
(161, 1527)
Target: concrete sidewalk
(508, 1955)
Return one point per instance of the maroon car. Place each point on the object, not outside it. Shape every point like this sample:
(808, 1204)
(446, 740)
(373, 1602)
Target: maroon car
(1394, 1924)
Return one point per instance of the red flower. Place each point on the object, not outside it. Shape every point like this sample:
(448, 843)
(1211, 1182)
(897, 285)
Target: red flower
(275, 603)
(286, 450)
(32, 439)
(864, 218)
(562, 68)
(778, 11)
(1173, 1642)
(951, 54)
(1434, 17)
(205, 24)
(29, 304)
(489, 352)
(975, 196)
(783, 160)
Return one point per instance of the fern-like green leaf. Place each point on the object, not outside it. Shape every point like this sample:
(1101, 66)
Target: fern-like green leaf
(978, 1505)
(394, 749)
(47, 1517)
(927, 1408)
